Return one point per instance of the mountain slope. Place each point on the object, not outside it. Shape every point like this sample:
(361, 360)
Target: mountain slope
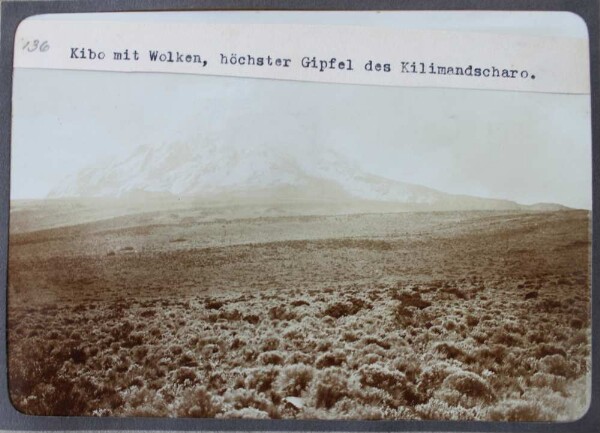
(266, 172)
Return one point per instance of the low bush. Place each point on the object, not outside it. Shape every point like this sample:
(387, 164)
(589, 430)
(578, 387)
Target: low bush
(331, 359)
(518, 410)
(466, 389)
(197, 402)
(294, 379)
(341, 309)
(330, 386)
(272, 357)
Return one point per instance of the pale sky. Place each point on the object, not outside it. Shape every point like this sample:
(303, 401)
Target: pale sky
(526, 147)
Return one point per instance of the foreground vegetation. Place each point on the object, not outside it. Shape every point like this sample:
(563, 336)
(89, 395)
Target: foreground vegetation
(453, 316)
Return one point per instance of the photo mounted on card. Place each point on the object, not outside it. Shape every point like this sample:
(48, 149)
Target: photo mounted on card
(301, 215)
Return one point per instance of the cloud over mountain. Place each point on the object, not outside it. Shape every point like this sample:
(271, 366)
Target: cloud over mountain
(216, 170)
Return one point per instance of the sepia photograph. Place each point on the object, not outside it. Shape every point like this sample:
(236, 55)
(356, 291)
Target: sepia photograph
(201, 246)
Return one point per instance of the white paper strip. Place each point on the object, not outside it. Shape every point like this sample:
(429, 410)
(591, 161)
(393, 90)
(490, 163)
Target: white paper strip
(318, 53)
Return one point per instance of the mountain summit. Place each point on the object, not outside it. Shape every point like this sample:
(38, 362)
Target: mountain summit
(265, 172)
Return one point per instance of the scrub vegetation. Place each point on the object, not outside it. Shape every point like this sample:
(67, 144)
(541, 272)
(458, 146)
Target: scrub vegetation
(440, 315)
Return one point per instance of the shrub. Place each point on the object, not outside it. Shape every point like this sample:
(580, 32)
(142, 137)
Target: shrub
(412, 396)
(466, 389)
(156, 332)
(197, 402)
(329, 387)
(403, 317)
(262, 378)
(451, 351)
(380, 376)
(433, 376)
(549, 305)
(411, 299)
(270, 343)
(252, 318)
(577, 323)
(294, 333)
(230, 315)
(139, 354)
(185, 374)
(299, 358)
(379, 342)
(471, 320)
(341, 309)
(137, 382)
(350, 337)
(545, 380)
(78, 355)
(281, 313)
(518, 410)
(133, 339)
(299, 303)
(211, 304)
(546, 349)
(176, 349)
(294, 379)
(437, 409)
(271, 357)
(148, 313)
(506, 338)
(557, 365)
(188, 360)
(455, 291)
(352, 408)
(331, 359)
(237, 343)
(60, 398)
(244, 398)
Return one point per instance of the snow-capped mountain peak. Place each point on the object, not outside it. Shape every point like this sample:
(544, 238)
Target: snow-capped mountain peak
(204, 170)
(214, 170)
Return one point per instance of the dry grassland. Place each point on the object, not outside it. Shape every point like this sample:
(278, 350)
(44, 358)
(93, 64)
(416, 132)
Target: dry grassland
(450, 315)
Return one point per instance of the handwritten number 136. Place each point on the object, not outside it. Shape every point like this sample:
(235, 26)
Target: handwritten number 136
(36, 45)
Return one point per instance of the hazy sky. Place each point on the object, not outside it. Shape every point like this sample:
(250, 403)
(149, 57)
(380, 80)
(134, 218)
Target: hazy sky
(521, 146)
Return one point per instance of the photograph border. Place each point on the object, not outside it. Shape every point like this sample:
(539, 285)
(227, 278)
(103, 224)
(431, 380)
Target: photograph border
(13, 12)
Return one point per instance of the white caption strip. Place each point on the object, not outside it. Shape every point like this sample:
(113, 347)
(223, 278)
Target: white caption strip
(317, 53)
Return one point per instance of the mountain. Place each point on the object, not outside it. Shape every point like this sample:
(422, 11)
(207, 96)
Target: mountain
(262, 172)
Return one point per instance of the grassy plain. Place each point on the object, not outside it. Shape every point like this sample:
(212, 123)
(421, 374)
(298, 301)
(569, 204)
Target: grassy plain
(192, 312)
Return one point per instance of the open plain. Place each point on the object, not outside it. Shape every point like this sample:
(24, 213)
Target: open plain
(197, 312)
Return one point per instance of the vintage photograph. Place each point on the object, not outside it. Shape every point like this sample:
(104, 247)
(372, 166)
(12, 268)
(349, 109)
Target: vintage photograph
(225, 247)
